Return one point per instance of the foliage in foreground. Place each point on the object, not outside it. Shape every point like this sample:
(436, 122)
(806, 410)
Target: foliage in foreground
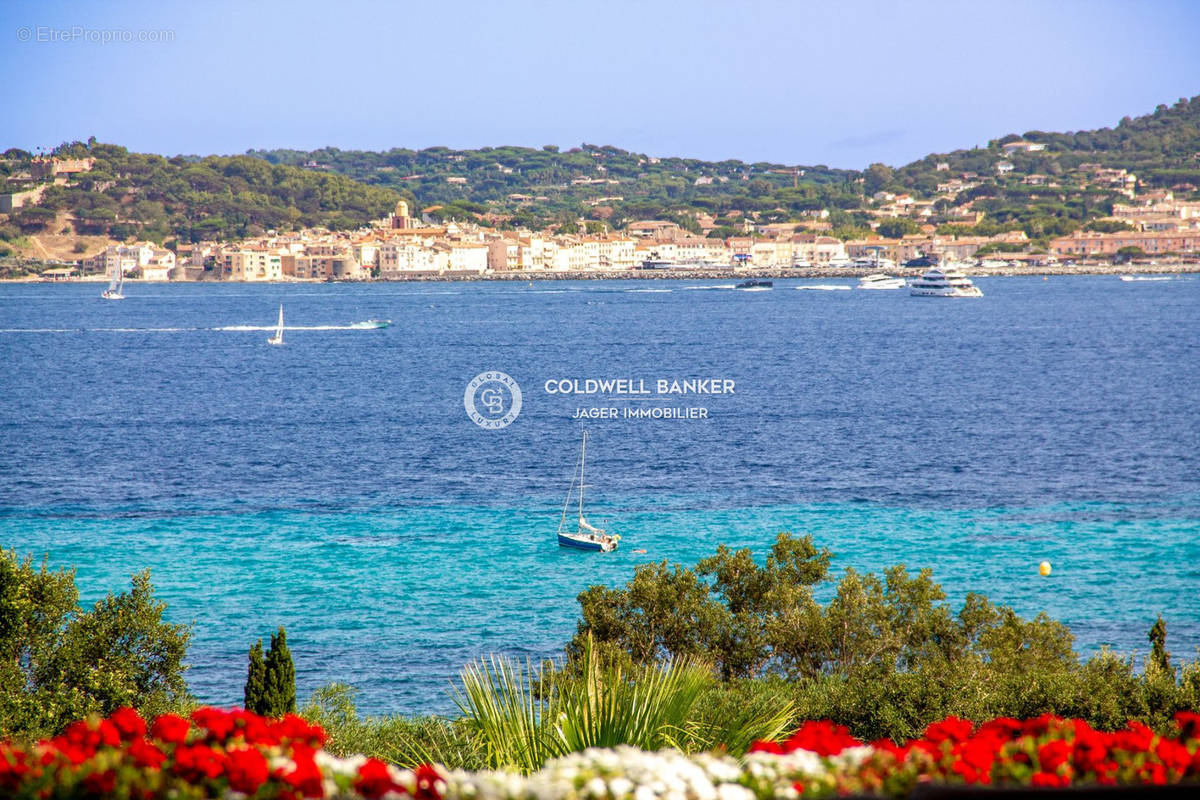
(212, 754)
(59, 663)
(524, 717)
(236, 753)
(884, 657)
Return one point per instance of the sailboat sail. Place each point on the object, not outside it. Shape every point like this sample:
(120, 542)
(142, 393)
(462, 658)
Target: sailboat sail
(278, 337)
(115, 283)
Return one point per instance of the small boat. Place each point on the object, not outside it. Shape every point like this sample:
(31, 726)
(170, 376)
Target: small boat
(585, 536)
(755, 283)
(880, 281)
(115, 285)
(944, 283)
(1145, 278)
(370, 324)
(823, 287)
(278, 337)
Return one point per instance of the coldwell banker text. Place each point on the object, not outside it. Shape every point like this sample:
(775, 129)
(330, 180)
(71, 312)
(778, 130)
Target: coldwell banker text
(636, 388)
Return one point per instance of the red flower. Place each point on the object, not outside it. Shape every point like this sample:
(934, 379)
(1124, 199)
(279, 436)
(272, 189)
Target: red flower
(196, 762)
(1090, 751)
(246, 769)
(100, 784)
(823, 738)
(1002, 728)
(899, 752)
(296, 729)
(129, 723)
(1153, 773)
(1189, 724)
(427, 783)
(217, 723)
(374, 780)
(767, 747)
(1173, 755)
(951, 729)
(14, 767)
(1136, 738)
(1049, 779)
(145, 754)
(253, 728)
(171, 728)
(1054, 754)
(975, 759)
(1039, 726)
(304, 777)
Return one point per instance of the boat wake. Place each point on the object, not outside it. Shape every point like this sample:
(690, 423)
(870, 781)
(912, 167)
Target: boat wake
(357, 326)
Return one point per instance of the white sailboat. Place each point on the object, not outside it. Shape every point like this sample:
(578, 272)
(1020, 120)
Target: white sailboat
(278, 337)
(115, 284)
(585, 536)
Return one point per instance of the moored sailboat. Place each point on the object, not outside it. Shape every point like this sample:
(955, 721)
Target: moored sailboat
(585, 536)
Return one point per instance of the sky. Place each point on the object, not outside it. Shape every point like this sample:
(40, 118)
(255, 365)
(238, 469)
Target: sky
(844, 84)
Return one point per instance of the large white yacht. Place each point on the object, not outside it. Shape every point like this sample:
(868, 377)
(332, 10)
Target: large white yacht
(943, 283)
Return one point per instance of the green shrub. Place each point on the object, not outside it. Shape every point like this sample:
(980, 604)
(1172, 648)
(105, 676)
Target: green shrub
(59, 663)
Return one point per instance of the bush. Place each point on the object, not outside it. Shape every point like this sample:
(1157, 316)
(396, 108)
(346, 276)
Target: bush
(59, 663)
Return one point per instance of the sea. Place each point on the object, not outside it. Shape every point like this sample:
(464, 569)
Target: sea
(337, 486)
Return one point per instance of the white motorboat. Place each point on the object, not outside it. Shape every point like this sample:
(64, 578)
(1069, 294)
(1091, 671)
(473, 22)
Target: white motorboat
(943, 283)
(880, 281)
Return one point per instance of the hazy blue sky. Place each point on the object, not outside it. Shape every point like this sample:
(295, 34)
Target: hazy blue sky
(840, 83)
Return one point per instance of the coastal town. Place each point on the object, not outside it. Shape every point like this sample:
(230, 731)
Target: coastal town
(1156, 227)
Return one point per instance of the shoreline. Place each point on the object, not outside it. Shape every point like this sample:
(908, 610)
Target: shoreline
(806, 273)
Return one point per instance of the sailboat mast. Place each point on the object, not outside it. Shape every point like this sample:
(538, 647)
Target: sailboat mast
(582, 460)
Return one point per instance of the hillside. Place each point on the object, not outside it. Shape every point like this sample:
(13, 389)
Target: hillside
(134, 195)
(535, 188)
(1045, 184)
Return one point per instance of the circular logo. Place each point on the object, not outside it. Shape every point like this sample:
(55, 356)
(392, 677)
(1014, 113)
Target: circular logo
(492, 400)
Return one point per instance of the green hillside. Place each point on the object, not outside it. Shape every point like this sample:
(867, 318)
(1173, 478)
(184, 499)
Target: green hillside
(191, 199)
(604, 184)
(1048, 193)
(536, 188)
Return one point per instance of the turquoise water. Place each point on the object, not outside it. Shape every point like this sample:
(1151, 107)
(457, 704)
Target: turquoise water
(336, 485)
(394, 600)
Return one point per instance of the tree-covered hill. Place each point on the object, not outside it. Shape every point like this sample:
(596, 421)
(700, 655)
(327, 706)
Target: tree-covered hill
(190, 199)
(539, 187)
(1049, 192)
(604, 183)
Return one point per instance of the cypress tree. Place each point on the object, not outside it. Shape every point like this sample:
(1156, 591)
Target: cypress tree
(1158, 645)
(255, 680)
(271, 679)
(280, 679)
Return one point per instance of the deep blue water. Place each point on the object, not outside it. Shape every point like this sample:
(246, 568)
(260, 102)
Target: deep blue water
(336, 485)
